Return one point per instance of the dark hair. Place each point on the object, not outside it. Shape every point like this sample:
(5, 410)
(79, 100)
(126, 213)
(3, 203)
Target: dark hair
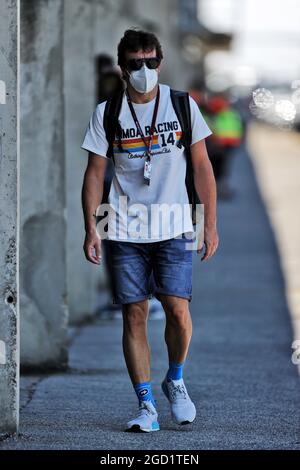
(136, 39)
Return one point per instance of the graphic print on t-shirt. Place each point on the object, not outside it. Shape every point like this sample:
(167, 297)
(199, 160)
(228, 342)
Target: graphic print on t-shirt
(165, 135)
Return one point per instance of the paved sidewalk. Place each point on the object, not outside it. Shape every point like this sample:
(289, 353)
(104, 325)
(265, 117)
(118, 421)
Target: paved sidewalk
(239, 370)
(276, 158)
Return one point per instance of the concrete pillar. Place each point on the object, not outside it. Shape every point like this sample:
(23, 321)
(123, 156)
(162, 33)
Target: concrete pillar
(9, 316)
(43, 225)
(176, 71)
(111, 22)
(79, 104)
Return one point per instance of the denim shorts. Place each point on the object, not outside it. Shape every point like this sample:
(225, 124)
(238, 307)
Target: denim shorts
(141, 270)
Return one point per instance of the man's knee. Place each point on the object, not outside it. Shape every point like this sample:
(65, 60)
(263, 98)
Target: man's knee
(135, 316)
(179, 316)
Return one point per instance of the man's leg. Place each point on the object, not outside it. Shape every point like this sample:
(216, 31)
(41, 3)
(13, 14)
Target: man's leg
(172, 269)
(178, 335)
(131, 267)
(135, 342)
(137, 356)
(178, 330)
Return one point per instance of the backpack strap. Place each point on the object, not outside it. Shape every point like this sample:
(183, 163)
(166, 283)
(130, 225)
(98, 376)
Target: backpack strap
(111, 122)
(181, 104)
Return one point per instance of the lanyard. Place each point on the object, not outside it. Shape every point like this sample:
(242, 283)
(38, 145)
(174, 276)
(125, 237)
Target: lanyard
(148, 143)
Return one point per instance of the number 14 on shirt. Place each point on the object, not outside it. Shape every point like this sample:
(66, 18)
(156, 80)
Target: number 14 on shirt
(167, 140)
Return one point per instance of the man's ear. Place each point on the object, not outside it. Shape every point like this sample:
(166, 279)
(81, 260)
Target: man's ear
(125, 73)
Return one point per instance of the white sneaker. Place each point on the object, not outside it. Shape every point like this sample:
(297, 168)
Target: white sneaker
(146, 420)
(182, 408)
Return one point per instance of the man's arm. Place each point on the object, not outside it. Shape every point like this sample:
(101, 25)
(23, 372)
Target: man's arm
(205, 186)
(92, 191)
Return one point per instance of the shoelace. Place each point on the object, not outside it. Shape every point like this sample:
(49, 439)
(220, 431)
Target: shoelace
(143, 409)
(178, 392)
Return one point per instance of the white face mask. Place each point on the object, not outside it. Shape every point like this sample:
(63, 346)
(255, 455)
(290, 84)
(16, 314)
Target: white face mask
(143, 80)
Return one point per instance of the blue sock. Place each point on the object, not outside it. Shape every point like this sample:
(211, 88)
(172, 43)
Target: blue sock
(144, 392)
(175, 371)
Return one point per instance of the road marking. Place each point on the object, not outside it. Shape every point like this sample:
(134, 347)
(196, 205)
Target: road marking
(2, 353)
(2, 92)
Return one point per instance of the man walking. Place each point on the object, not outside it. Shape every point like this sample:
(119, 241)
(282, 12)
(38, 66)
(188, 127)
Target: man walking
(150, 168)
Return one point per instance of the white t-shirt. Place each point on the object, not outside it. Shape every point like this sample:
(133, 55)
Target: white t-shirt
(159, 211)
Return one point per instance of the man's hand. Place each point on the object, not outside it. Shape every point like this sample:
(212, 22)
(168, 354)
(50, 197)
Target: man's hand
(92, 191)
(205, 185)
(211, 242)
(92, 247)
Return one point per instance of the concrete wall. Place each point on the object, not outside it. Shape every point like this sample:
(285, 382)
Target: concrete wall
(79, 81)
(175, 71)
(43, 226)
(9, 327)
(153, 15)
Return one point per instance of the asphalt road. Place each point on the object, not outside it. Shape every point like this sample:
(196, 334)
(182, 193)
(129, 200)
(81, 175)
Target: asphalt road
(239, 370)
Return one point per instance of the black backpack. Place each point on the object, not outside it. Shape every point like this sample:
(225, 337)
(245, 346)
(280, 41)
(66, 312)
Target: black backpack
(181, 105)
